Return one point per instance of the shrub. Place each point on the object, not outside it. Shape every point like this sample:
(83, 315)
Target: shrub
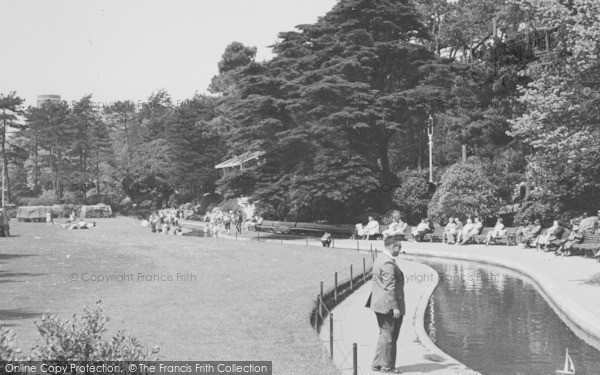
(466, 190)
(8, 350)
(47, 198)
(537, 206)
(413, 195)
(81, 339)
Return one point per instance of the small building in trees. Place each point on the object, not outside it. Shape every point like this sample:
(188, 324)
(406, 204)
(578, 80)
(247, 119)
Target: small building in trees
(241, 162)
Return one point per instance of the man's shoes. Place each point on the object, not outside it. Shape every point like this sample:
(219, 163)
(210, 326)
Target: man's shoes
(390, 370)
(375, 368)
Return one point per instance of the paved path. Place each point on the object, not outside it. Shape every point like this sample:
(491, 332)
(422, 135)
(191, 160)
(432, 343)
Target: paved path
(353, 323)
(570, 284)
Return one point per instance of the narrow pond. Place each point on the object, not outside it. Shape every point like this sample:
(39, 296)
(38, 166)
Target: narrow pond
(499, 324)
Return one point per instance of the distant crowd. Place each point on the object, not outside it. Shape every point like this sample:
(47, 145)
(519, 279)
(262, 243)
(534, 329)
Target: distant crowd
(165, 222)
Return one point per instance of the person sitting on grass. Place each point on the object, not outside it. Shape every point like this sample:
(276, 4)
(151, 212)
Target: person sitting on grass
(326, 239)
(450, 228)
(498, 231)
(530, 239)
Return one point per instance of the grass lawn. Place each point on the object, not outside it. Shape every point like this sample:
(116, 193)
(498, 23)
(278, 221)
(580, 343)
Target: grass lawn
(234, 300)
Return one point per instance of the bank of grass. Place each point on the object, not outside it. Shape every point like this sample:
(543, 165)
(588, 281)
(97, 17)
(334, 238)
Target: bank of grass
(234, 300)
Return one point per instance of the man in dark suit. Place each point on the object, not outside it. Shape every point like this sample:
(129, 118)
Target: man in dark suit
(387, 301)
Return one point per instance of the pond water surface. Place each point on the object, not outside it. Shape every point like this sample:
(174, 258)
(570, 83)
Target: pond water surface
(498, 324)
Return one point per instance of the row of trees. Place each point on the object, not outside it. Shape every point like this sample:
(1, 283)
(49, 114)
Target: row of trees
(81, 152)
(341, 113)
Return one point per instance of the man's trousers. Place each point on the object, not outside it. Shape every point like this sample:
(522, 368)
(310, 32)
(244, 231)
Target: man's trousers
(389, 330)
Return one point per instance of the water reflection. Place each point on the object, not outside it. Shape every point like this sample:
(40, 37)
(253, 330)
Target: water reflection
(498, 324)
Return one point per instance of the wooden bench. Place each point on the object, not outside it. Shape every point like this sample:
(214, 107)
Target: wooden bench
(508, 239)
(312, 228)
(590, 246)
(435, 236)
(275, 226)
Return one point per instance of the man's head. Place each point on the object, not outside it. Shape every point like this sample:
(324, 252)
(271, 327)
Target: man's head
(451, 220)
(393, 244)
(370, 218)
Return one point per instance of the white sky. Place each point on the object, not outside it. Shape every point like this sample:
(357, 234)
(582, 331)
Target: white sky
(124, 50)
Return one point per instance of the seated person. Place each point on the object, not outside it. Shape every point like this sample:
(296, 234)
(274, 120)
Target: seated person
(450, 228)
(498, 231)
(544, 238)
(177, 231)
(165, 228)
(397, 227)
(451, 235)
(464, 233)
(530, 238)
(145, 223)
(371, 229)
(553, 237)
(475, 231)
(574, 238)
(326, 239)
(522, 231)
(421, 230)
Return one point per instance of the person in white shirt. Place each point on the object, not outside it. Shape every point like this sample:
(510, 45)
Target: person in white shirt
(468, 227)
(476, 230)
(371, 229)
(450, 228)
(496, 232)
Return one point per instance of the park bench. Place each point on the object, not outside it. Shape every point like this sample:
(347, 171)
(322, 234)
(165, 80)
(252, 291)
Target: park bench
(590, 246)
(275, 226)
(435, 236)
(509, 239)
(318, 228)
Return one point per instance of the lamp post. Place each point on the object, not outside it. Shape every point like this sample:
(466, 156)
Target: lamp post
(430, 134)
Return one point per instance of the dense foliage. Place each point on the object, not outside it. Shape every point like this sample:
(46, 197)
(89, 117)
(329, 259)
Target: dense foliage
(340, 110)
(466, 191)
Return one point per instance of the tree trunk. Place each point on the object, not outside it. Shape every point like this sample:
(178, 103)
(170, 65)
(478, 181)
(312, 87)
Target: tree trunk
(5, 159)
(420, 151)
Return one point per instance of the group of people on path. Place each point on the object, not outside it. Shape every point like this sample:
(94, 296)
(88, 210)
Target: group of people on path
(165, 223)
(219, 220)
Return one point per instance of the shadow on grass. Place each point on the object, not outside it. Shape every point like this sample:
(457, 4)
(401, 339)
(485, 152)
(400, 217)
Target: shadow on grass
(592, 280)
(4, 275)
(15, 314)
(12, 256)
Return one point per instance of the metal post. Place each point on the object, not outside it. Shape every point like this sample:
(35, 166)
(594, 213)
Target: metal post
(354, 360)
(319, 312)
(364, 271)
(281, 237)
(351, 279)
(331, 336)
(3, 166)
(258, 236)
(371, 247)
(306, 241)
(430, 134)
(236, 236)
(320, 301)
(321, 290)
(335, 291)
(333, 242)
(357, 246)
